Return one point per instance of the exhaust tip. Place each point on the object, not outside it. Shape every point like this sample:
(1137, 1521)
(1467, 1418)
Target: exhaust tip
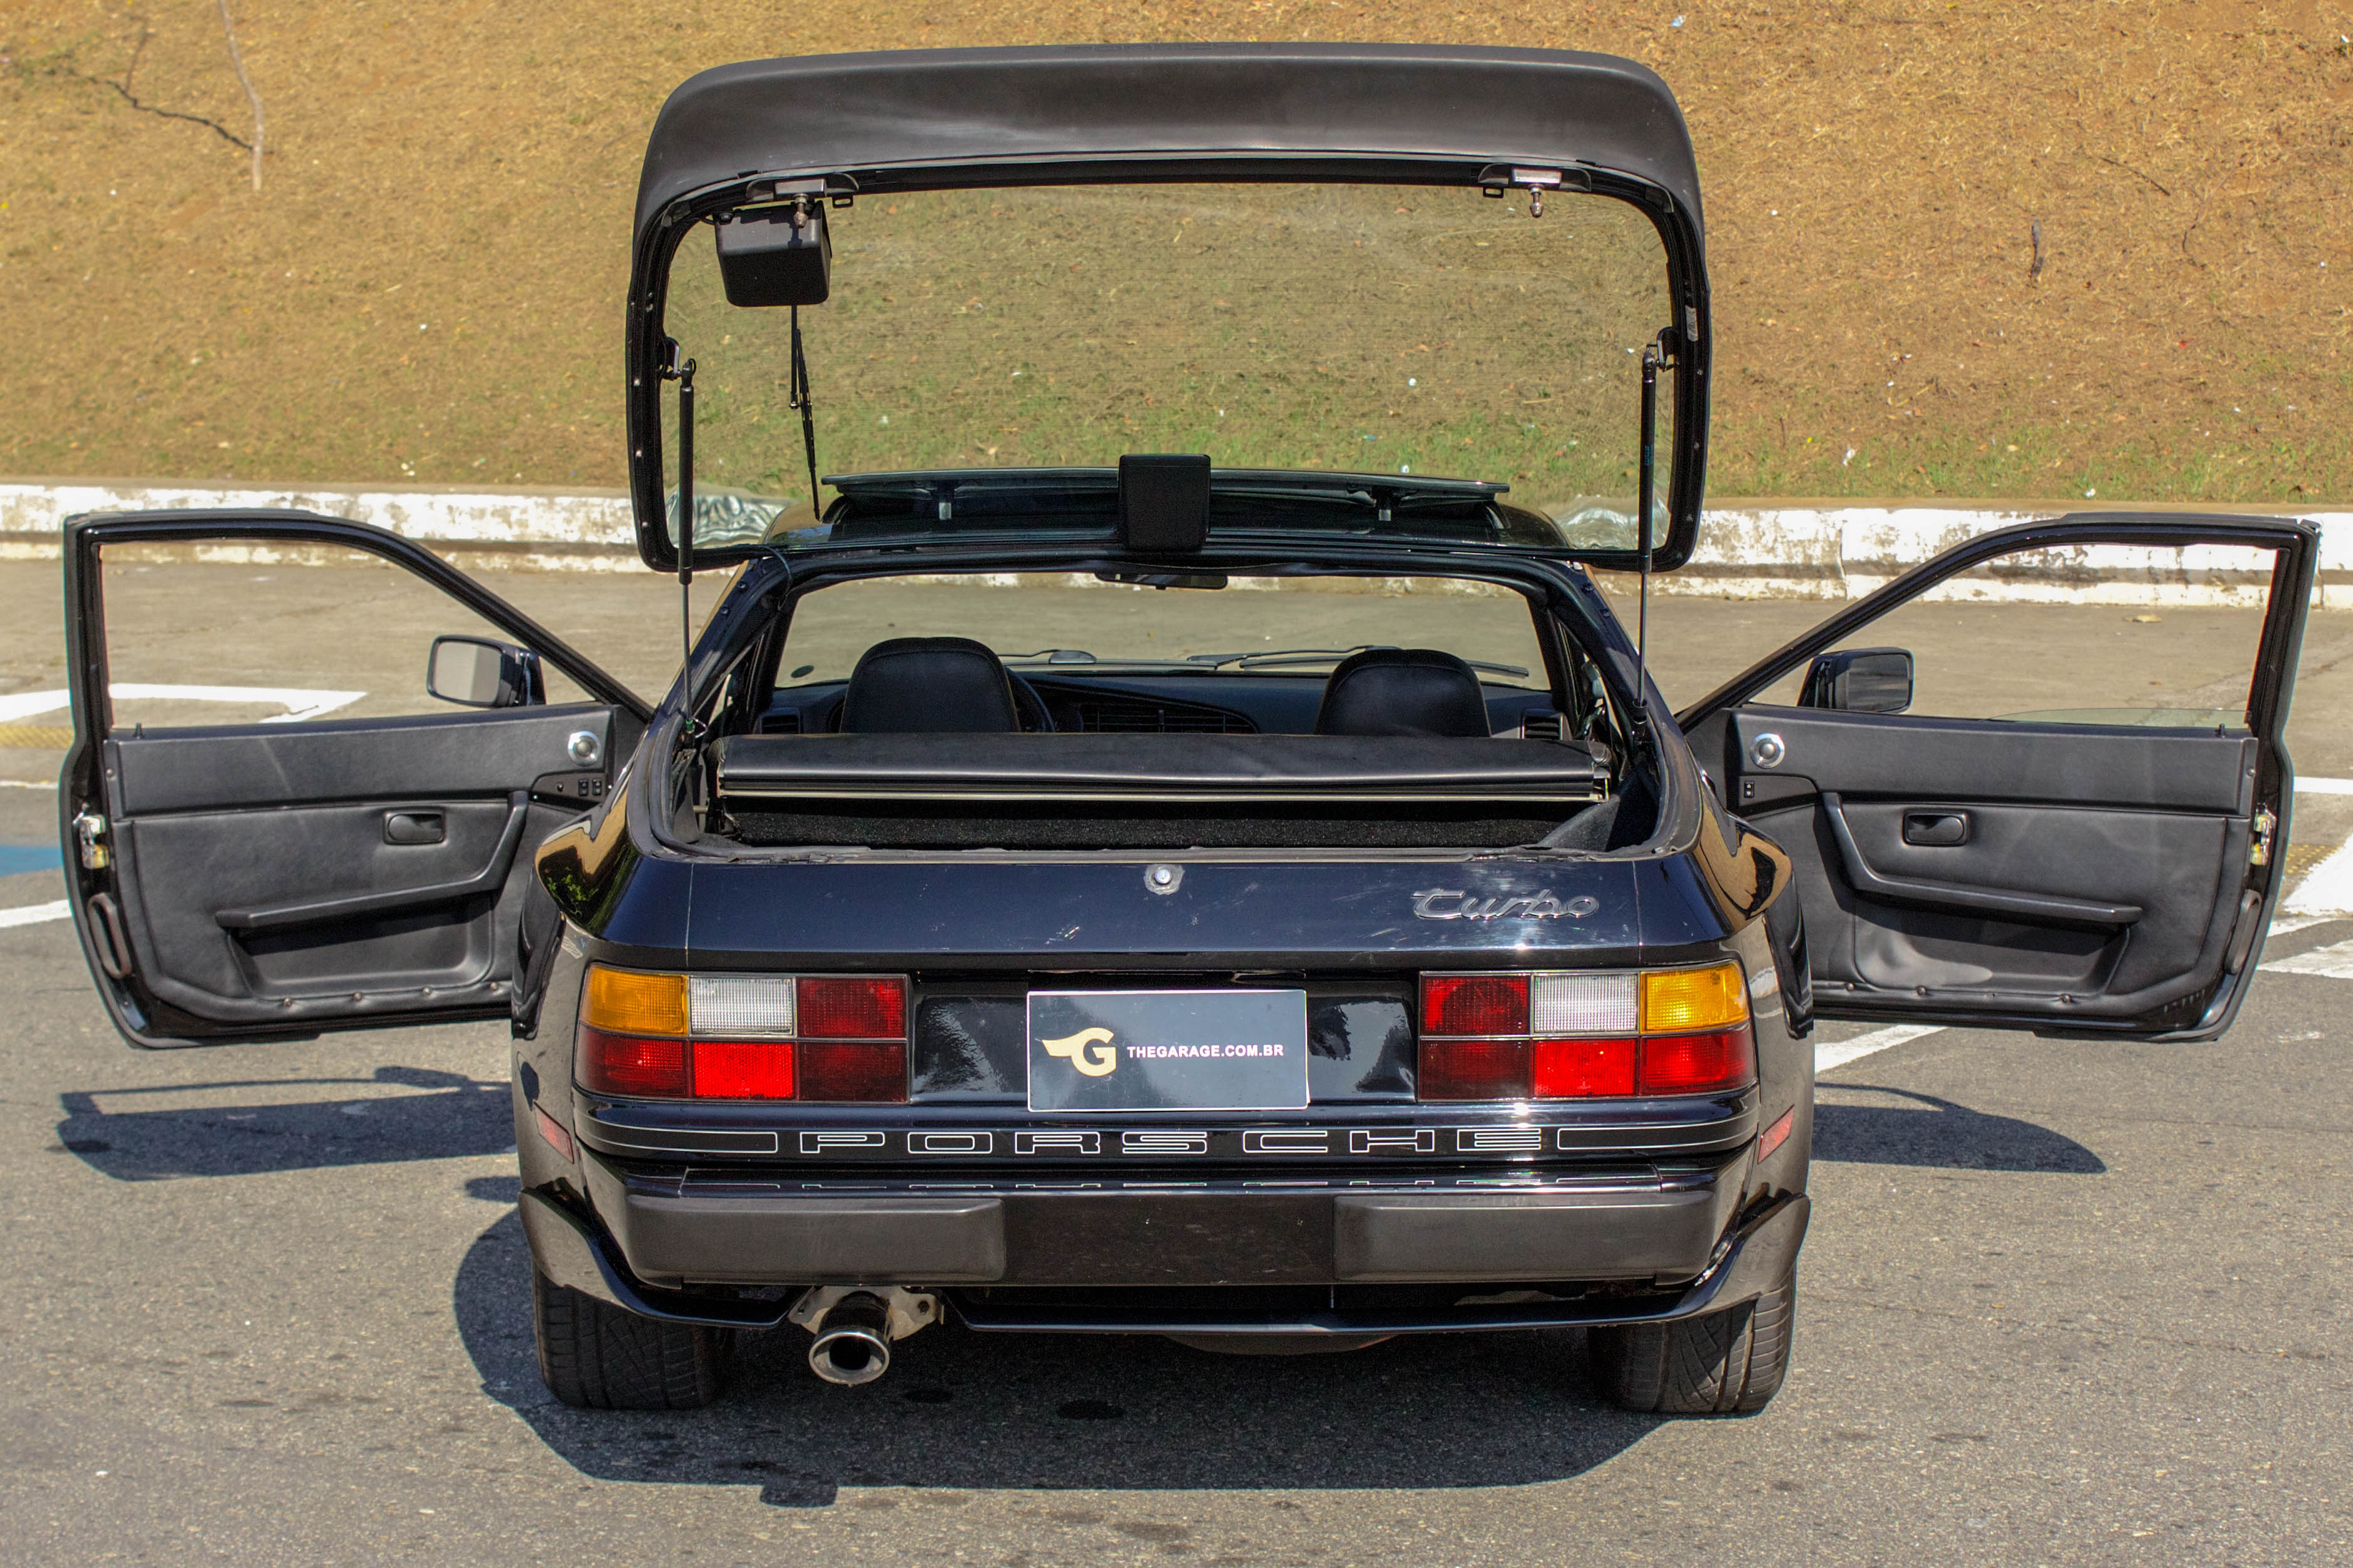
(849, 1355)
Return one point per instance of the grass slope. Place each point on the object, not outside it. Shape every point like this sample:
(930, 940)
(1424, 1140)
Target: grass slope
(428, 286)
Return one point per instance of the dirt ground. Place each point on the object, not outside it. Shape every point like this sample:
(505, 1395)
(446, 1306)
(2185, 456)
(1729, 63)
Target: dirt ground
(1957, 248)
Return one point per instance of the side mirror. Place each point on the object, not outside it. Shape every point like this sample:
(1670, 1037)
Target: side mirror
(1860, 681)
(475, 672)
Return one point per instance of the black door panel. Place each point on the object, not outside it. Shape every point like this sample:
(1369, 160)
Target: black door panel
(2096, 904)
(193, 869)
(250, 765)
(243, 881)
(2111, 877)
(1866, 755)
(274, 871)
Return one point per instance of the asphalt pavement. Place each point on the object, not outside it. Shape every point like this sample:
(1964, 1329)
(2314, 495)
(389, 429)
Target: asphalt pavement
(2064, 1302)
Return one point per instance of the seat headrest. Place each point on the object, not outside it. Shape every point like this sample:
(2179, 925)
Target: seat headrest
(928, 686)
(1403, 692)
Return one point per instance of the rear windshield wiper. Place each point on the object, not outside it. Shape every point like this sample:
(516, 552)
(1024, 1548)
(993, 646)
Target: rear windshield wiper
(1276, 658)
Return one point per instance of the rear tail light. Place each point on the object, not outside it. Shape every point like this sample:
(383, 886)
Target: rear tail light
(743, 1036)
(863, 1069)
(630, 1064)
(743, 1069)
(1579, 1069)
(1576, 1035)
(1698, 1064)
(1474, 1070)
(854, 1009)
(1474, 1004)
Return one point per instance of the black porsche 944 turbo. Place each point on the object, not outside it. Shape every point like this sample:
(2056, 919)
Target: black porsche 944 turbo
(1218, 875)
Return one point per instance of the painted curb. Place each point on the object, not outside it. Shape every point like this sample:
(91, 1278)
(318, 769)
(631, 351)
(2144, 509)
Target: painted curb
(1822, 550)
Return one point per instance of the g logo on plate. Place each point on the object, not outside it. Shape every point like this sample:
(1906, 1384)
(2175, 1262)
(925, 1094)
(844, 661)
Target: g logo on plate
(1089, 1050)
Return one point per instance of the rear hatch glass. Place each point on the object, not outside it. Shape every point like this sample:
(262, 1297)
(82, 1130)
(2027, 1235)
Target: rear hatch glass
(1333, 348)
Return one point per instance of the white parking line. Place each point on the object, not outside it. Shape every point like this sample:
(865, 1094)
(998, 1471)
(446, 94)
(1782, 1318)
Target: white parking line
(34, 914)
(2328, 888)
(299, 703)
(1837, 1055)
(2334, 960)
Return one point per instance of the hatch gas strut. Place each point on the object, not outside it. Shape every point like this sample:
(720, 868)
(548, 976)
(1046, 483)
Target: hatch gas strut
(682, 372)
(1654, 354)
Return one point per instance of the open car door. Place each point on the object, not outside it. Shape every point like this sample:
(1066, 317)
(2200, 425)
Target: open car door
(2038, 781)
(267, 878)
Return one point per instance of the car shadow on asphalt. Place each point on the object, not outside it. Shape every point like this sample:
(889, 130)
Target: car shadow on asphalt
(1052, 1412)
(1922, 1130)
(248, 1126)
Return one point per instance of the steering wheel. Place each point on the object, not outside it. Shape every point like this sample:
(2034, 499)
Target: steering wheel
(1037, 719)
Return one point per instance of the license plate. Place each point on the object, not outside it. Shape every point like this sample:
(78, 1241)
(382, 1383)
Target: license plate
(1167, 1051)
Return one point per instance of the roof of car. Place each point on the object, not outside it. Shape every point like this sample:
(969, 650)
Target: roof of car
(827, 113)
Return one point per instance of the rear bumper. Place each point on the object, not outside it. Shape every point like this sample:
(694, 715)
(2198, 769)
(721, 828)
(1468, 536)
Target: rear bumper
(1660, 1244)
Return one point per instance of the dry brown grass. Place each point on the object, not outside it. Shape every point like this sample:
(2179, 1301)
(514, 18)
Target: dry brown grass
(429, 285)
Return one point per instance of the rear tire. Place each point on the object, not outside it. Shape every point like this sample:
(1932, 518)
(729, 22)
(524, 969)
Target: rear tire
(1725, 1364)
(598, 1357)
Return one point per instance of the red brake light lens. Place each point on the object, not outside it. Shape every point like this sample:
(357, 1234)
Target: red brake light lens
(1580, 1069)
(743, 1069)
(854, 1009)
(632, 1064)
(1698, 1064)
(839, 1070)
(1474, 1004)
(1473, 1069)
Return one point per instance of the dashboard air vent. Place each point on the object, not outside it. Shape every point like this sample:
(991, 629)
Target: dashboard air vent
(1098, 717)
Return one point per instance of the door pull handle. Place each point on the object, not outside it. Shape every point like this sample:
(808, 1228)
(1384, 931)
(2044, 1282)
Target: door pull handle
(1937, 829)
(415, 827)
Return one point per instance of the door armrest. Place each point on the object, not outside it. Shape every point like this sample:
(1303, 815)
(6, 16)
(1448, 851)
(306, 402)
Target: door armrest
(2050, 909)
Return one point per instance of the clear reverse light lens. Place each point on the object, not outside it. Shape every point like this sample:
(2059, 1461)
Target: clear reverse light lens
(1582, 1005)
(751, 1006)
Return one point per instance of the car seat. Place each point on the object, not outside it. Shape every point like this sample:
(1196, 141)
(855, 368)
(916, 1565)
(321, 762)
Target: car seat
(928, 686)
(1403, 692)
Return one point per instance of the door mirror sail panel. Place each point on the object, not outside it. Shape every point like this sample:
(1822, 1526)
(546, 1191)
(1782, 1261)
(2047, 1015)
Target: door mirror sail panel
(475, 672)
(1164, 502)
(1860, 681)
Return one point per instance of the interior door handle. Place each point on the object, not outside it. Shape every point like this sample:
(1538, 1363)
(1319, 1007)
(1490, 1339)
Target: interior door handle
(415, 827)
(2049, 908)
(1937, 829)
(488, 881)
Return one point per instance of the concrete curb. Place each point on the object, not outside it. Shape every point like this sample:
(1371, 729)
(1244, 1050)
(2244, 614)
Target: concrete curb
(1823, 549)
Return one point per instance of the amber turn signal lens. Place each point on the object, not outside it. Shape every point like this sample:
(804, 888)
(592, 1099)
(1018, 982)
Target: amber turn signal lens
(625, 1003)
(1677, 1001)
